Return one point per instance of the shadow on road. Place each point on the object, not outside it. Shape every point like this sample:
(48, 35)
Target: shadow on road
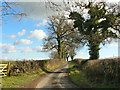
(65, 70)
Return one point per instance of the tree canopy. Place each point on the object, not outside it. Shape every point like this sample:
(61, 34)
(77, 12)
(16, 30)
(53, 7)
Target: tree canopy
(101, 24)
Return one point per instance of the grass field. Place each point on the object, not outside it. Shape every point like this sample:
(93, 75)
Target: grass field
(22, 79)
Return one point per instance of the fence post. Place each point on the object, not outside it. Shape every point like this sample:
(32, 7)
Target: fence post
(9, 69)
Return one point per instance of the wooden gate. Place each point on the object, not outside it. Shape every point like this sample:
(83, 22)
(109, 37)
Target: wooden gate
(3, 70)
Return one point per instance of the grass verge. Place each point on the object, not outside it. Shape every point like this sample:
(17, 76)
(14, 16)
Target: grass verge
(24, 78)
(80, 79)
(20, 80)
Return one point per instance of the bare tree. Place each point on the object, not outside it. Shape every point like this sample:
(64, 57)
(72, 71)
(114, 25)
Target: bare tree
(60, 34)
(7, 9)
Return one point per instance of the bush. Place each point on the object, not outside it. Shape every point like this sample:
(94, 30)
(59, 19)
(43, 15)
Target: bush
(103, 70)
(32, 65)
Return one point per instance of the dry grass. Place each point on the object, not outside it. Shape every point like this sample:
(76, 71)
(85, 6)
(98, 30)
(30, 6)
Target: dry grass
(103, 71)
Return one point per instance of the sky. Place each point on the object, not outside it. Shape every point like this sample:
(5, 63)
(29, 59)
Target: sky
(22, 37)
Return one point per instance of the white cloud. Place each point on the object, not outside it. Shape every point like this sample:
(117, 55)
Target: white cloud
(38, 34)
(21, 33)
(8, 48)
(23, 41)
(38, 9)
(29, 50)
(26, 50)
(12, 37)
(35, 10)
(1, 45)
(42, 23)
(39, 49)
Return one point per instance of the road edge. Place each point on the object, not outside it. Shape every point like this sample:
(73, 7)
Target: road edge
(34, 83)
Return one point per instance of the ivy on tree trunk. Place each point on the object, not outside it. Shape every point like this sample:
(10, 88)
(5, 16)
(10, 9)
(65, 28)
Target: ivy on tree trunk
(93, 50)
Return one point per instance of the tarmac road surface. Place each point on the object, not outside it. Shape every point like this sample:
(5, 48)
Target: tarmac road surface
(57, 79)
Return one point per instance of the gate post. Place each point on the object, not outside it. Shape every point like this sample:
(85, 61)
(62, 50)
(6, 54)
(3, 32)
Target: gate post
(9, 69)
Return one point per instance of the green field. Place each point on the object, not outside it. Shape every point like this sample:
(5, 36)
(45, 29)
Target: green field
(20, 80)
(23, 79)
